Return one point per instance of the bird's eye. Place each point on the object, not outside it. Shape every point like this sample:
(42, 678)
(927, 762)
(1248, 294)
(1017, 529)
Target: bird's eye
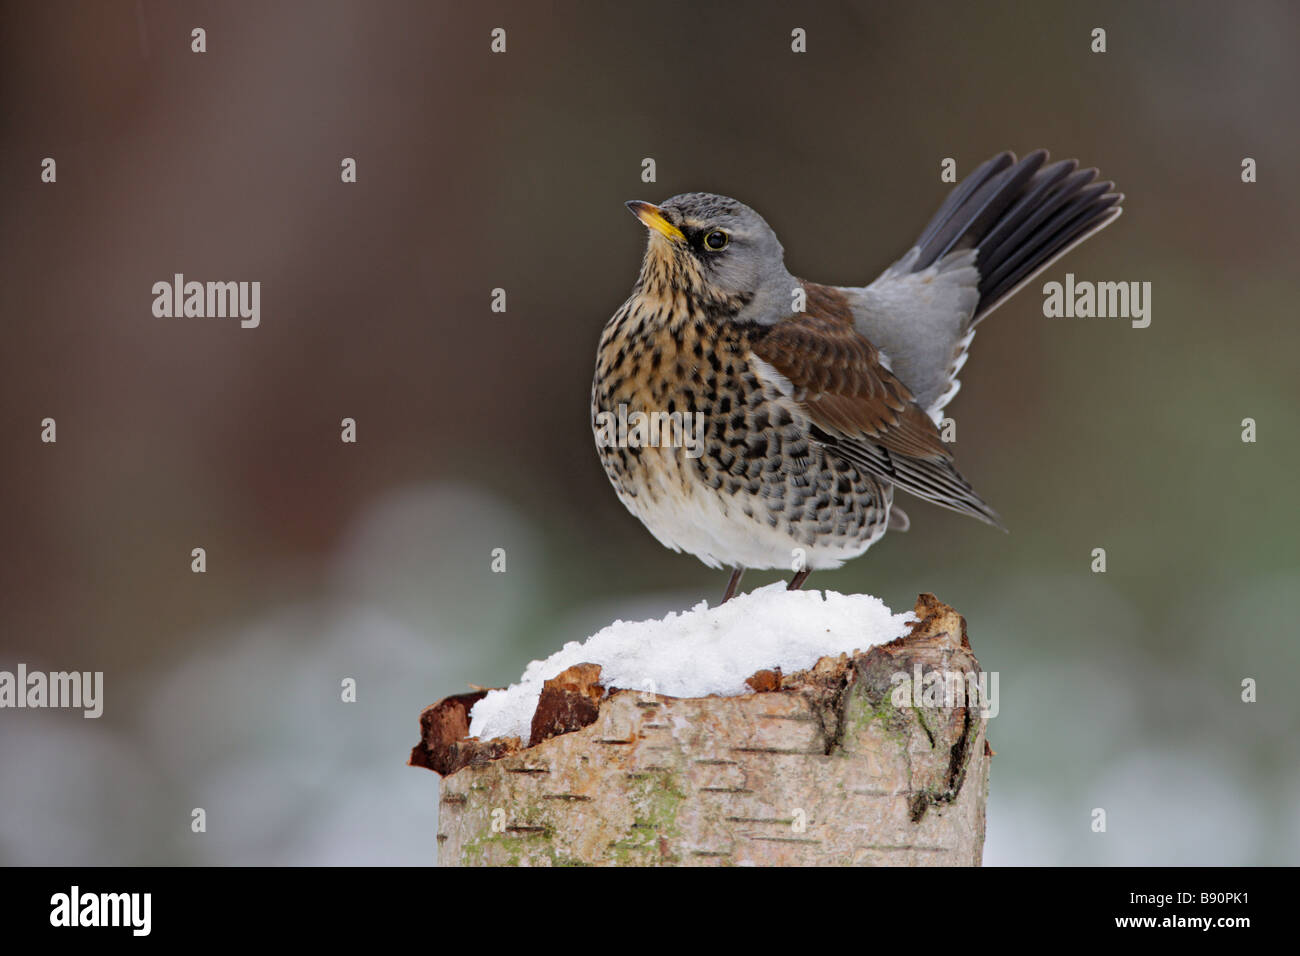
(716, 240)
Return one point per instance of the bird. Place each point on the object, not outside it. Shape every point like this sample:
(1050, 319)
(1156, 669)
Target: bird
(793, 411)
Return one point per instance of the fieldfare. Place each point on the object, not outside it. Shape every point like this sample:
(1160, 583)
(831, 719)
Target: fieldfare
(756, 420)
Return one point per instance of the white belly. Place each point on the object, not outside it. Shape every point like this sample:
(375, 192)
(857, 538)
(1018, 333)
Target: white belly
(686, 515)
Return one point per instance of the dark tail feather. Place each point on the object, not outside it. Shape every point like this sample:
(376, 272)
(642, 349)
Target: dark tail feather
(974, 205)
(1021, 216)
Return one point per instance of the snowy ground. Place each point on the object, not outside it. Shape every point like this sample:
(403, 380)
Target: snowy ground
(706, 650)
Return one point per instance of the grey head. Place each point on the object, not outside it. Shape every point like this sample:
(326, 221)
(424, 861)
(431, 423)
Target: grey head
(718, 252)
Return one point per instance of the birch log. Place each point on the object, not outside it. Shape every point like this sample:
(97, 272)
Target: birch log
(849, 763)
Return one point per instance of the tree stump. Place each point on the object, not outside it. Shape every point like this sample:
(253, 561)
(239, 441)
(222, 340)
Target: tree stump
(852, 762)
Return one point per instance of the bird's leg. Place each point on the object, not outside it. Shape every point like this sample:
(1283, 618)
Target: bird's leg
(799, 578)
(732, 585)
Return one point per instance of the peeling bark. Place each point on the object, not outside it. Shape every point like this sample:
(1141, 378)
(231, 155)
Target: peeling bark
(568, 702)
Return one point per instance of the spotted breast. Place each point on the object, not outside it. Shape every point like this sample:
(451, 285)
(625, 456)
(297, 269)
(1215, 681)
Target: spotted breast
(743, 482)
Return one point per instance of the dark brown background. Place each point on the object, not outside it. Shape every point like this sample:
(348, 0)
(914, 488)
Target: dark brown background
(476, 171)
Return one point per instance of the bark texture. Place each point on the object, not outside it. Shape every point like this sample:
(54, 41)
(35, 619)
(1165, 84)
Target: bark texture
(823, 767)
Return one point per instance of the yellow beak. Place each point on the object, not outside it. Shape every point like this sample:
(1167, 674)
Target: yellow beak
(652, 218)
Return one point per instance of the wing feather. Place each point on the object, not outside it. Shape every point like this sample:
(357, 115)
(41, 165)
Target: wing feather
(857, 409)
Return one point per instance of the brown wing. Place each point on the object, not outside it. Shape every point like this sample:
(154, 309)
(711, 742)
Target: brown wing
(859, 410)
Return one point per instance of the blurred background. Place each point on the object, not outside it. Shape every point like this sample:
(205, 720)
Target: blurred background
(476, 171)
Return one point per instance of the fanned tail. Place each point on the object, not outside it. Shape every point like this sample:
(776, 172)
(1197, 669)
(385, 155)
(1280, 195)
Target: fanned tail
(1021, 217)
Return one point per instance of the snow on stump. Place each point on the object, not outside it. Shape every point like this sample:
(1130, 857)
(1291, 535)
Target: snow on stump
(865, 757)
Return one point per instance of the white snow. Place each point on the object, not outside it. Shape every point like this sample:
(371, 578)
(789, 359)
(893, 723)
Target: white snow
(703, 651)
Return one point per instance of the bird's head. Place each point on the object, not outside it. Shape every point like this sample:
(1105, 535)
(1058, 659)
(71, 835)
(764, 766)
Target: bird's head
(718, 254)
